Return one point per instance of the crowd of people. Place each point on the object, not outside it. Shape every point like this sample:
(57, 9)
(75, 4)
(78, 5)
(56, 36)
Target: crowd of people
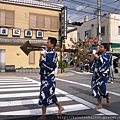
(100, 63)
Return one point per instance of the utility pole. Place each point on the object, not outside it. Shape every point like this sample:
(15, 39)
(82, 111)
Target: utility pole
(99, 20)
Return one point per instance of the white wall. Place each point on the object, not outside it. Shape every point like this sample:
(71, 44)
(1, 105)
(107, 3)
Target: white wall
(111, 23)
(114, 22)
(72, 35)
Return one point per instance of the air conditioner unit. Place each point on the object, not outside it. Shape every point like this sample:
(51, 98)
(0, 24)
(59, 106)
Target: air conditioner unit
(39, 34)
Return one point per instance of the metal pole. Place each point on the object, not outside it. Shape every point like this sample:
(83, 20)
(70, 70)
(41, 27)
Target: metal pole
(61, 54)
(99, 20)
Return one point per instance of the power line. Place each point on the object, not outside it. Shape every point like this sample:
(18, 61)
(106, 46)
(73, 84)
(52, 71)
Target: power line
(93, 6)
(92, 14)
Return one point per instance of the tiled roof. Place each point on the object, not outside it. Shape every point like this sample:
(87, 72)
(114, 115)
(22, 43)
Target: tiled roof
(43, 4)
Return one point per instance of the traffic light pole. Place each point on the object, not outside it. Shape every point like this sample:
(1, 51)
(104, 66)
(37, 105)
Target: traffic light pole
(99, 20)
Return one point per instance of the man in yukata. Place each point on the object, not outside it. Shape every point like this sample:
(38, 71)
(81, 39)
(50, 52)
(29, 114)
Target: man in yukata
(48, 64)
(100, 76)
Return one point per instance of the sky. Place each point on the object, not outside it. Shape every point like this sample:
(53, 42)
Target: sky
(78, 9)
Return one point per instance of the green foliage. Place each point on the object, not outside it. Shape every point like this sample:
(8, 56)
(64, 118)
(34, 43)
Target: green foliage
(62, 64)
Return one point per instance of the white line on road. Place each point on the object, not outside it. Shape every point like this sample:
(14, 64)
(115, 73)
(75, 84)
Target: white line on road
(13, 95)
(85, 85)
(28, 102)
(85, 73)
(15, 83)
(104, 111)
(16, 86)
(50, 110)
(19, 89)
(53, 110)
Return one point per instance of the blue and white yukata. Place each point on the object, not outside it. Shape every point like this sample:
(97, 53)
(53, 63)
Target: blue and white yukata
(47, 89)
(100, 76)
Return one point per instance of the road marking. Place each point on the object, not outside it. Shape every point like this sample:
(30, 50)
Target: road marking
(68, 81)
(68, 108)
(12, 81)
(15, 83)
(16, 86)
(103, 111)
(13, 95)
(18, 78)
(28, 102)
(20, 89)
(50, 110)
(85, 73)
(85, 85)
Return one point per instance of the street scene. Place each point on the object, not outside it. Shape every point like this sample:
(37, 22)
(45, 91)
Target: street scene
(59, 60)
(19, 96)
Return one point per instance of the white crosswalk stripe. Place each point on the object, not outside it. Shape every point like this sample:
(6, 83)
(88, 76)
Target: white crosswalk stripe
(18, 92)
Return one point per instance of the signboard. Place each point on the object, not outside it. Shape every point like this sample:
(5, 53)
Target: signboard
(39, 34)
(16, 32)
(28, 33)
(64, 23)
(3, 31)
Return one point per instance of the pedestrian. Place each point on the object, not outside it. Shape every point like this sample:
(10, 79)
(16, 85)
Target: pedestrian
(47, 65)
(115, 65)
(111, 70)
(100, 76)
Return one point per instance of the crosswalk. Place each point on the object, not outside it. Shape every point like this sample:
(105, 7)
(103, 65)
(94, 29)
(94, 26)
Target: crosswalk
(19, 97)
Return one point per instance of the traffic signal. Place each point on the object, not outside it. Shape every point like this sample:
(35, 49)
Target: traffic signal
(77, 23)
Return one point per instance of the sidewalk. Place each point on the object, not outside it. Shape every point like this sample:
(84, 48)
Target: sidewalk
(117, 75)
(67, 72)
(14, 74)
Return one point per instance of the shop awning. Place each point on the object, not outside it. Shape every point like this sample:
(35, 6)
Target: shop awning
(115, 45)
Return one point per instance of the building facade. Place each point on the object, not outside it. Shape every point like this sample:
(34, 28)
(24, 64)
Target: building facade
(110, 31)
(21, 21)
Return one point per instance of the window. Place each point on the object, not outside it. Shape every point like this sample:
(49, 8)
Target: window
(40, 21)
(88, 33)
(6, 17)
(103, 31)
(119, 30)
(33, 20)
(43, 22)
(32, 57)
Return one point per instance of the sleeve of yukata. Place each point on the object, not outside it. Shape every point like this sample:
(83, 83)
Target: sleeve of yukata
(50, 62)
(104, 63)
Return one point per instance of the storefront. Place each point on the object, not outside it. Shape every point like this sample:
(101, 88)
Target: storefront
(116, 51)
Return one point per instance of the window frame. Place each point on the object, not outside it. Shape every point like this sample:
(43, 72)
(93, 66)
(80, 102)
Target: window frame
(5, 24)
(52, 28)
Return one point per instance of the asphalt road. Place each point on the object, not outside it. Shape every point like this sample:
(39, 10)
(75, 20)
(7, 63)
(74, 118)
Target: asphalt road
(19, 97)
